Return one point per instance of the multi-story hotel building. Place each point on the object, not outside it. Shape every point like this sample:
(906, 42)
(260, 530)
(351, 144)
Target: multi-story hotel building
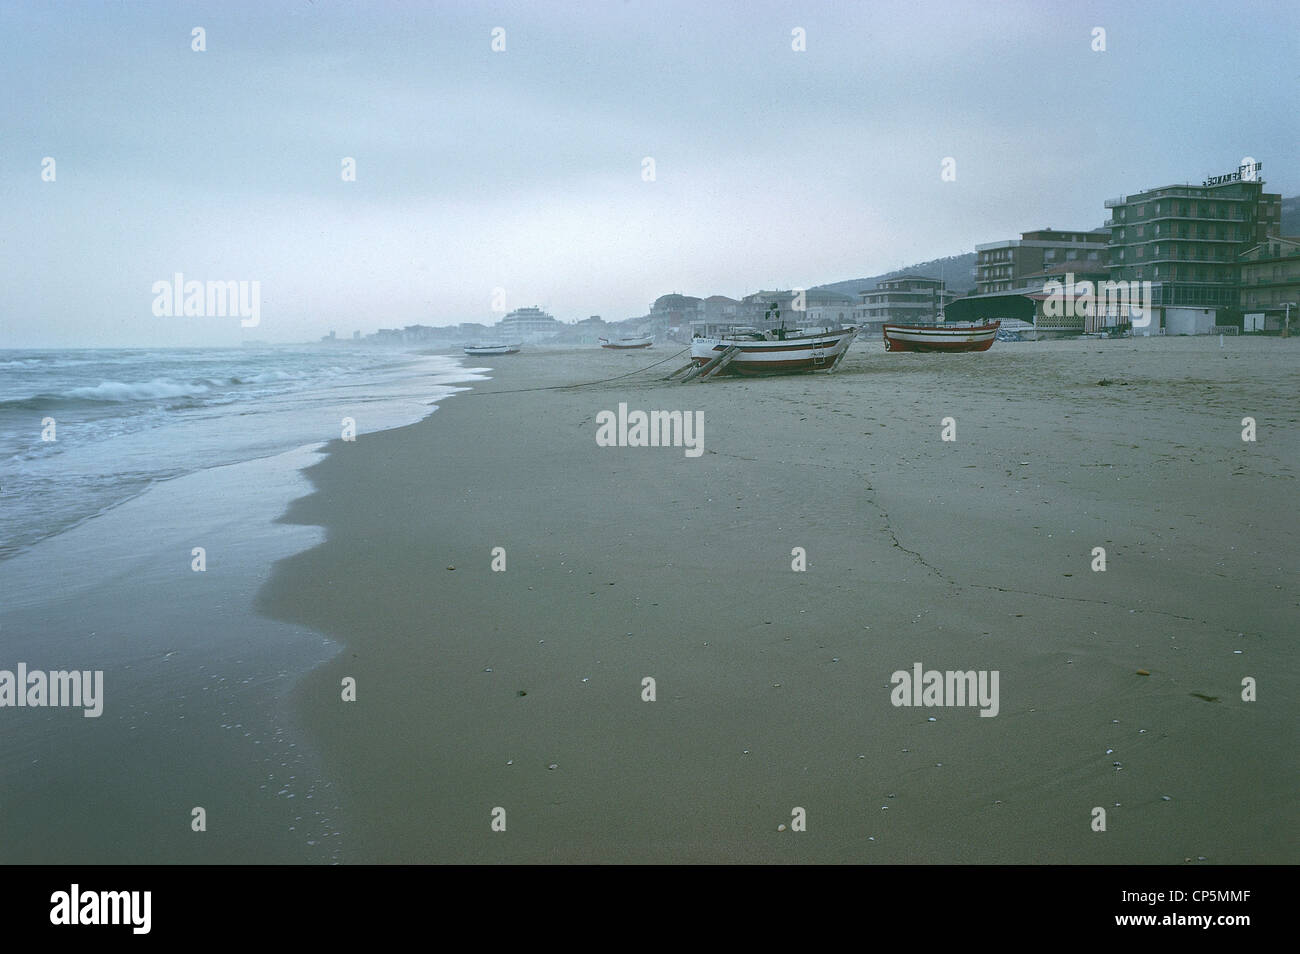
(1269, 280)
(1190, 243)
(1006, 265)
(527, 324)
(1186, 240)
(907, 299)
(827, 309)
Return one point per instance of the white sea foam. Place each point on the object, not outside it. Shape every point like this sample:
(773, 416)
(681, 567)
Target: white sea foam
(123, 420)
(138, 391)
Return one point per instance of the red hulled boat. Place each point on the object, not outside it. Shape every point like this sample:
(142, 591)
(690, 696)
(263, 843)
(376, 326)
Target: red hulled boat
(963, 336)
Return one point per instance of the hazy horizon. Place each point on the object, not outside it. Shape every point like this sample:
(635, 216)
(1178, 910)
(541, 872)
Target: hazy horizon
(522, 169)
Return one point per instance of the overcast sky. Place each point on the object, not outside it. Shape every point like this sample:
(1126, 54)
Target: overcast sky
(523, 169)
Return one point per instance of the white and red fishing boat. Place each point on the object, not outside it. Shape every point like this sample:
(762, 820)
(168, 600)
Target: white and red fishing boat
(622, 344)
(953, 336)
(492, 349)
(773, 352)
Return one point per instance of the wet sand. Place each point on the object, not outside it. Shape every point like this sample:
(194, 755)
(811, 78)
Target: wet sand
(197, 689)
(523, 689)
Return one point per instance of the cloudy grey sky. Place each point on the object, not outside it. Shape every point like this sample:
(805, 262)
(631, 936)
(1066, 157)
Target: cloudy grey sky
(522, 169)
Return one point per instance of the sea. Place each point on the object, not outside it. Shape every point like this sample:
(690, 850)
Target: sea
(82, 431)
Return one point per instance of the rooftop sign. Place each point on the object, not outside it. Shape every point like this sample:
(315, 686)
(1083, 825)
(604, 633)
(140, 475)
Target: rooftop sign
(1248, 171)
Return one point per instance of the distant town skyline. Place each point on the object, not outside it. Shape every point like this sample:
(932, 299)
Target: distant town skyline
(582, 157)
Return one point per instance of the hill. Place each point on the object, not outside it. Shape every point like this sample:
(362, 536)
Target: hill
(957, 270)
(1291, 216)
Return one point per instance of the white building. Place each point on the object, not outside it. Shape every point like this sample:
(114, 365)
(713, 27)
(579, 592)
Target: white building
(527, 325)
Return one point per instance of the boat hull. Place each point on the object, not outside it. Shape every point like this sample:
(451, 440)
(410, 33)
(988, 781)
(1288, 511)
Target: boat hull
(791, 356)
(492, 350)
(940, 337)
(630, 345)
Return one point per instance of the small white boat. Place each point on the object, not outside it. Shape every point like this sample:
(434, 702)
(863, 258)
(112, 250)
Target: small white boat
(620, 344)
(492, 349)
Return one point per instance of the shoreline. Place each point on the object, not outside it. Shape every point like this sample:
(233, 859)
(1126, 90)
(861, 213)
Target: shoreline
(773, 686)
(194, 698)
(131, 434)
(196, 685)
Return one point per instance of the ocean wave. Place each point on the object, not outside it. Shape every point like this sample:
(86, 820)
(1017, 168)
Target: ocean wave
(119, 391)
(268, 376)
(264, 377)
(111, 392)
(196, 391)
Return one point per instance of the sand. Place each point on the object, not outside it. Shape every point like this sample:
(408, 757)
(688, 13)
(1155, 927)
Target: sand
(197, 689)
(522, 690)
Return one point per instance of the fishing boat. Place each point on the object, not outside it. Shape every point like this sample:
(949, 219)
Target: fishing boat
(953, 336)
(492, 349)
(623, 344)
(773, 352)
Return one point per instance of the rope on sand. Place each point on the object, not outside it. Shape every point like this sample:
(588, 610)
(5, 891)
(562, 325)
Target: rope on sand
(585, 384)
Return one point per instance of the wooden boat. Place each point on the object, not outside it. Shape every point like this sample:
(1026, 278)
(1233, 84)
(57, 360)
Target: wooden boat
(621, 344)
(774, 352)
(492, 349)
(957, 336)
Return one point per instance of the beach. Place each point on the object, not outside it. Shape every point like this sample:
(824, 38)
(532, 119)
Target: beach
(132, 546)
(516, 698)
(633, 434)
